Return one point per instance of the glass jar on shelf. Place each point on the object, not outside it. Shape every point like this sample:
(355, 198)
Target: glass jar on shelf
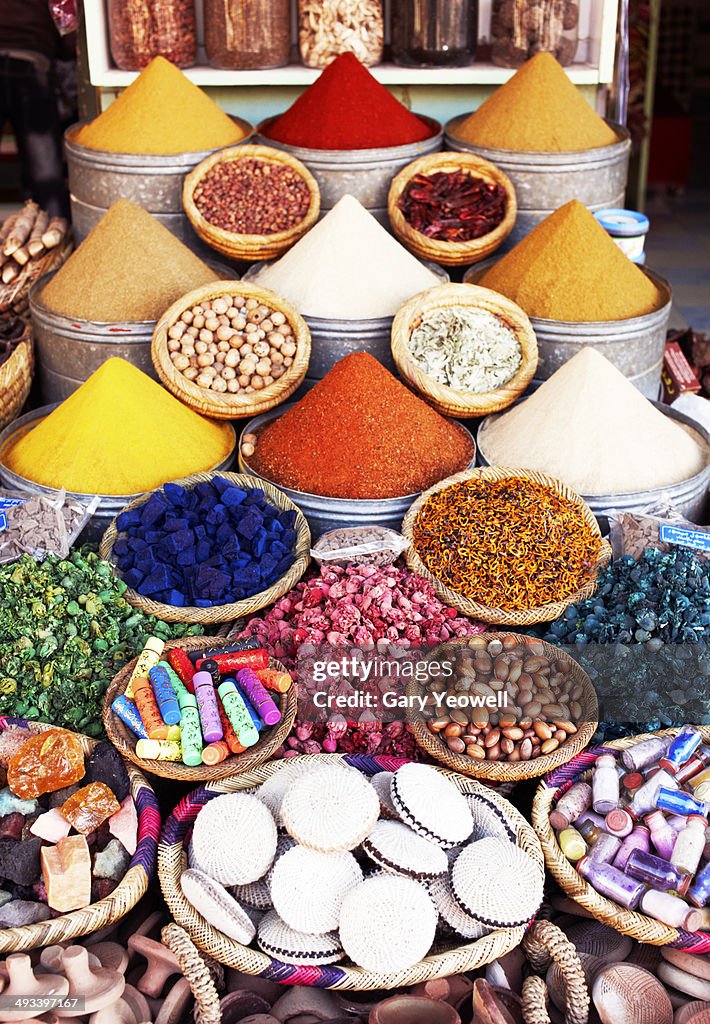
(248, 35)
(522, 28)
(327, 28)
(142, 29)
(434, 33)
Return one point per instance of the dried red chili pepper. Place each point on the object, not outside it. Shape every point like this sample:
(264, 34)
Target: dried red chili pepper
(452, 206)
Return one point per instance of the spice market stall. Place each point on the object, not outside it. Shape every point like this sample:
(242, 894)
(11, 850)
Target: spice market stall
(360, 843)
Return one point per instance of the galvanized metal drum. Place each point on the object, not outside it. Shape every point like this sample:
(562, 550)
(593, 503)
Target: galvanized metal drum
(363, 173)
(325, 513)
(545, 181)
(689, 497)
(332, 340)
(97, 178)
(634, 346)
(109, 504)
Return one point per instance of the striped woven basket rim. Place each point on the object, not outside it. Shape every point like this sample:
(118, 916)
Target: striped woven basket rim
(504, 771)
(172, 860)
(129, 890)
(223, 612)
(270, 739)
(628, 922)
(500, 616)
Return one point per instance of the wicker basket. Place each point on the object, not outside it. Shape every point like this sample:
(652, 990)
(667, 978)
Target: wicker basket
(252, 248)
(221, 612)
(226, 406)
(129, 890)
(504, 771)
(14, 297)
(628, 922)
(172, 861)
(466, 605)
(544, 944)
(16, 375)
(199, 971)
(269, 739)
(451, 254)
(447, 400)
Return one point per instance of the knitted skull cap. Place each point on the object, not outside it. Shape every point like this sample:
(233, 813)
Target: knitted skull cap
(274, 789)
(451, 913)
(284, 843)
(330, 810)
(308, 888)
(234, 839)
(276, 939)
(254, 895)
(381, 783)
(215, 904)
(387, 923)
(431, 805)
(398, 850)
(497, 883)
(488, 819)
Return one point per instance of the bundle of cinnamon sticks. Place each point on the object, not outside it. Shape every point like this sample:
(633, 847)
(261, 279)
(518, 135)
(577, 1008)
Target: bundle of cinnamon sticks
(27, 236)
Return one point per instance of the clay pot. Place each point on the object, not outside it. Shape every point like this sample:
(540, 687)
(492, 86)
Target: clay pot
(235, 1006)
(455, 990)
(413, 1010)
(24, 982)
(314, 1004)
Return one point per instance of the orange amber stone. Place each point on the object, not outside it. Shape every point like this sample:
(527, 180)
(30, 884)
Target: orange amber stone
(46, 762)
(89, 807)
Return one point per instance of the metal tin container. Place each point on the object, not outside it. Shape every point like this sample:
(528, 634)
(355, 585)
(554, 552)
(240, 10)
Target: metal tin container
(69, 350)
(545, 181)
(689, 497)
(109, 504)
(332, 340)
(97, 178)
(325, 513)
(363, 173)
(634, 346)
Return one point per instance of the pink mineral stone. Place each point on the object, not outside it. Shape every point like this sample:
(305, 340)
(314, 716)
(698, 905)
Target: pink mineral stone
(51, 826)
(123, 825)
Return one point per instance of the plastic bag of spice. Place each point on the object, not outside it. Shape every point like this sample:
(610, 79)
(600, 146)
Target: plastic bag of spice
(40, 525)
(359, 545)
(657, 526)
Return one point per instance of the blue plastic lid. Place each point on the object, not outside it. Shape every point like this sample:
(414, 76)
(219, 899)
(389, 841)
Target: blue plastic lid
(623, 223)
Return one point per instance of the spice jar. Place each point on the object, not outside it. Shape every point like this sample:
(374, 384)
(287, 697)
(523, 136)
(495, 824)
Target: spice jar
(522, 28)
(248, 34)
(434, 33)
(327, 28)
(143, 29)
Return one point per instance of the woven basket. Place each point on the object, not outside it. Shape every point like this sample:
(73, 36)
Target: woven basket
(129, 890)
(628, 922)
(544, 944)
(226, 406)
(447, 400)
(466, 605)
(16, 375)
(221, 612)
(196, 968)
(451, 254)
(252, 248)
(172, 861)
(269, 739)
(14, 297)
(504, 771)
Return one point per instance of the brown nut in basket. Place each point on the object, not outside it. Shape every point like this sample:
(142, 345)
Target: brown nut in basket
(451, 401)
(451, 254)
(225, 404)
(251, 248)
(488, 724)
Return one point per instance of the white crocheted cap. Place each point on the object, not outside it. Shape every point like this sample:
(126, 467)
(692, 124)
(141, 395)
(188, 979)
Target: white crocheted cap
(234, 839)
(381, 783)
(497, 883)
(330, 810)
(430, 804)
(488, 819)
(284, 843)
(276, 939)
(274, 789)
(254, 895)
(387, 923)
(400, 851)
(451, 913)
(308, 888)
(215, 904)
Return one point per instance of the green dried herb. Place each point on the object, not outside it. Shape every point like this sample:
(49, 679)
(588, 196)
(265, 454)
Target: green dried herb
(465, 348)
(65, 630)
